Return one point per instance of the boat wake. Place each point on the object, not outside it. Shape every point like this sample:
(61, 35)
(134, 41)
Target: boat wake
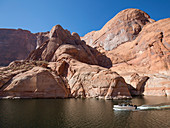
(152, 107)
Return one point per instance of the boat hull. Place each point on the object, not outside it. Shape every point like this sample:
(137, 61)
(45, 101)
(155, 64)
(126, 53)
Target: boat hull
(117, 107)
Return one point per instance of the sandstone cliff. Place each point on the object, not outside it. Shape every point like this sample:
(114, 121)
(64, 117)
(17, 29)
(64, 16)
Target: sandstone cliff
(17, 44)
(148, 55)
(68, 69)
(145, 51)
(124, 27)
(130, 55)
(30, 79)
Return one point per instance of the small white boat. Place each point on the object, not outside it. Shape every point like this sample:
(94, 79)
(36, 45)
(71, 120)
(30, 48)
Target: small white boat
(129, 107)
(124, 107)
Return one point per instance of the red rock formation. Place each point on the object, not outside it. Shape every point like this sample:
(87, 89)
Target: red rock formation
(150, 50)
(35, 83)
(86, 80)
(69, 55)
(131, 44)
(138, 84)
(72, 71)
(147, 54)
(62, 43)
(124, 27)
(15, 45)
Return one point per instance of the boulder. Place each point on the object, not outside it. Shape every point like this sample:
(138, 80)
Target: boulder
(76, 36)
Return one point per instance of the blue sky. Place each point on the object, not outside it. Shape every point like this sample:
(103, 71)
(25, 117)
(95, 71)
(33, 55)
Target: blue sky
(81, 16)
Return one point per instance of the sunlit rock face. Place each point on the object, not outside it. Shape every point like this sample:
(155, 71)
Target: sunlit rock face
(124, 27)
(86, 80)
(148, 55)
(35, 83)
(61, 67)
(136, 44)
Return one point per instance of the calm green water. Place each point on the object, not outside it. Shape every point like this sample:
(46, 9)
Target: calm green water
(80, 113)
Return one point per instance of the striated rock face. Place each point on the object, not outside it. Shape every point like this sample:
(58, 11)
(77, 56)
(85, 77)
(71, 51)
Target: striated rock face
(86, 80)
(60, 44)
(35, 83)
(158, 85)
(124, 27)
(15, 45)
(72, 71)
(147, 54)
(150, 50)
(14, 68)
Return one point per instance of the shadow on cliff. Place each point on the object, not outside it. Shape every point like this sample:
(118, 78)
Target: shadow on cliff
(140, 89)
(102, 59)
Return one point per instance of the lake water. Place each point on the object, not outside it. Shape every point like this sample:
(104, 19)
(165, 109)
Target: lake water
(81, 113)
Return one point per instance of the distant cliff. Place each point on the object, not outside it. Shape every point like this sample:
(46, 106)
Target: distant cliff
(16, 44)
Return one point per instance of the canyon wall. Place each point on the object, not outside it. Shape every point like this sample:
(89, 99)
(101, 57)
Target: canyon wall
(146, 50)
(17, 44)
(61, 67)
(129, 56)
